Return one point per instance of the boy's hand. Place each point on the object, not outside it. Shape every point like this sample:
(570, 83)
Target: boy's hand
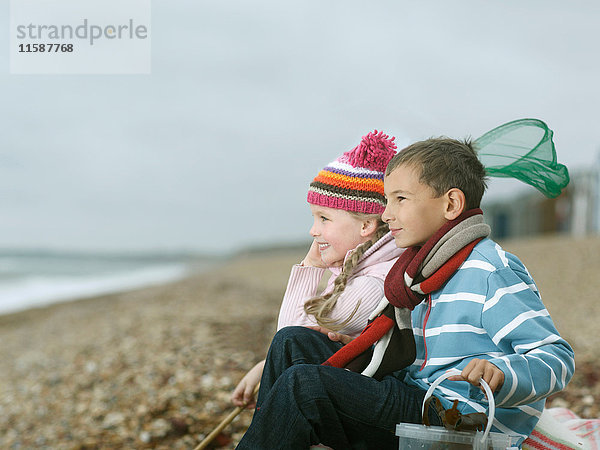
(243, 394)
(332, 335)
(313, 257)
(481, 368)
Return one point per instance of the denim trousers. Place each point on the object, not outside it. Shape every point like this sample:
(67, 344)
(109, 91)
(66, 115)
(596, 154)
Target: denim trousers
(302, 403)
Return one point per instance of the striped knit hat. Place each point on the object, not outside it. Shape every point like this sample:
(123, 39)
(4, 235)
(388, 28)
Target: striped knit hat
(354, 181)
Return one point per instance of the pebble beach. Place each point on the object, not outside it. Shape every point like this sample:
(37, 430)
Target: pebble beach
(154, 368)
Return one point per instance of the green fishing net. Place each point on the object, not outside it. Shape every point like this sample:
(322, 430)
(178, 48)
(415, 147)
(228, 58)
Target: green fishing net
(523, 149)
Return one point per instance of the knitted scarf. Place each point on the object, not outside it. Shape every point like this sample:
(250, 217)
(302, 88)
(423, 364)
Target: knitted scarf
(418, 272)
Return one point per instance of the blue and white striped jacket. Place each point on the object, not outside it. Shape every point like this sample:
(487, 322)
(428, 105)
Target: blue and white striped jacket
(491, 308)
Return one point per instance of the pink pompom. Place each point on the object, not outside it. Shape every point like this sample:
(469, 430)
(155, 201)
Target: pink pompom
(373, 153)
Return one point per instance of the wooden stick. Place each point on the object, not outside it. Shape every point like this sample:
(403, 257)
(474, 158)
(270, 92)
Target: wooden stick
(226, 421)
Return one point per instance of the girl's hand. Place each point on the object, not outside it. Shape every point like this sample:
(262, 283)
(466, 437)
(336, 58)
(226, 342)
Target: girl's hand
(332, 335)
(481, 368)
(313, 257)
(243, 394)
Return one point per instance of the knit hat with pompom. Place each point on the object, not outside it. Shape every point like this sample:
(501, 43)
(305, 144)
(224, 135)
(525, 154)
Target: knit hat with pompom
(354, 181)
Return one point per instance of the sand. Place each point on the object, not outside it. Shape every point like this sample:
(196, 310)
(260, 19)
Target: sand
(154, 368)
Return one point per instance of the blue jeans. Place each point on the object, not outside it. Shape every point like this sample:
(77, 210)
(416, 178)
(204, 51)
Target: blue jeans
(302, 403)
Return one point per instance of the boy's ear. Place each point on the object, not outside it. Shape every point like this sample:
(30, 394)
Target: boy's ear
(455, 203)
(368, 227)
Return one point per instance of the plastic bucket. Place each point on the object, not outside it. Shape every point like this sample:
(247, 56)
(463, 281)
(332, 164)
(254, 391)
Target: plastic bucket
(424, 437)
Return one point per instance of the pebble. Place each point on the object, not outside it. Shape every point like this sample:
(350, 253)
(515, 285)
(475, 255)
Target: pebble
(159, 428)
(145, 437)
(113, 419)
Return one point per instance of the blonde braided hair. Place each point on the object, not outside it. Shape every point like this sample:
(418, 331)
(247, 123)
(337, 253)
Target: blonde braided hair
(320, 307)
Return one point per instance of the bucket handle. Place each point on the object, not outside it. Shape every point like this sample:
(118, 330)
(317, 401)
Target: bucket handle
(486, 388)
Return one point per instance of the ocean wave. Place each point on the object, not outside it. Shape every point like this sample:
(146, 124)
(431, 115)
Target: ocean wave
(36, 290)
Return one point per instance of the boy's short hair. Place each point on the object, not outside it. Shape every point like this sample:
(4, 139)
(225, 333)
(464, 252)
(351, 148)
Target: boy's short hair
(444, 164)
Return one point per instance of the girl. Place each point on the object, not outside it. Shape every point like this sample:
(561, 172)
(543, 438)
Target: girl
(350, 239)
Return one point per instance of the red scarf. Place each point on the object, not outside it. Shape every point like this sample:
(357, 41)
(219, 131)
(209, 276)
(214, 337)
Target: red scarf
(405, 287)
(399, 284)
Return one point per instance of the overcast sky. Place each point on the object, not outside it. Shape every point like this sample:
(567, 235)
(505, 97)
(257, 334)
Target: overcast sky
(248, 100)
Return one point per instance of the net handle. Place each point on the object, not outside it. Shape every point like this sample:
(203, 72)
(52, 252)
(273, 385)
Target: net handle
(486, 388)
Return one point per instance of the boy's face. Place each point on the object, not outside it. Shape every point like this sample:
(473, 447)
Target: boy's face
(413, 213)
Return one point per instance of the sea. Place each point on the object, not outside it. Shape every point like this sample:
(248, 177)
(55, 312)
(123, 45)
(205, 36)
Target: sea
(30, 279)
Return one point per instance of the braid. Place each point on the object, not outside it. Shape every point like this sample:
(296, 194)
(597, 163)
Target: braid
(320, 307)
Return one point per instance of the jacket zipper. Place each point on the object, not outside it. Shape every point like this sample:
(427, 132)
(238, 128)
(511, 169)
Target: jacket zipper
(424, 325)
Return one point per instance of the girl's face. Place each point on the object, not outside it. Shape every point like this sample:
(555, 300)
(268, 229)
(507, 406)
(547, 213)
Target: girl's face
(336, 232)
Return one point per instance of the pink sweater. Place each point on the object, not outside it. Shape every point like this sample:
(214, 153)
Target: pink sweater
(365, 284)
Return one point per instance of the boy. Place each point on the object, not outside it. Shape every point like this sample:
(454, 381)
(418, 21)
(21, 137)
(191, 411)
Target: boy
(474, 308)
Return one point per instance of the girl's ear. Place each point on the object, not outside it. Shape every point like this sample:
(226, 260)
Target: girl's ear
(455, 203)
(369, 227)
